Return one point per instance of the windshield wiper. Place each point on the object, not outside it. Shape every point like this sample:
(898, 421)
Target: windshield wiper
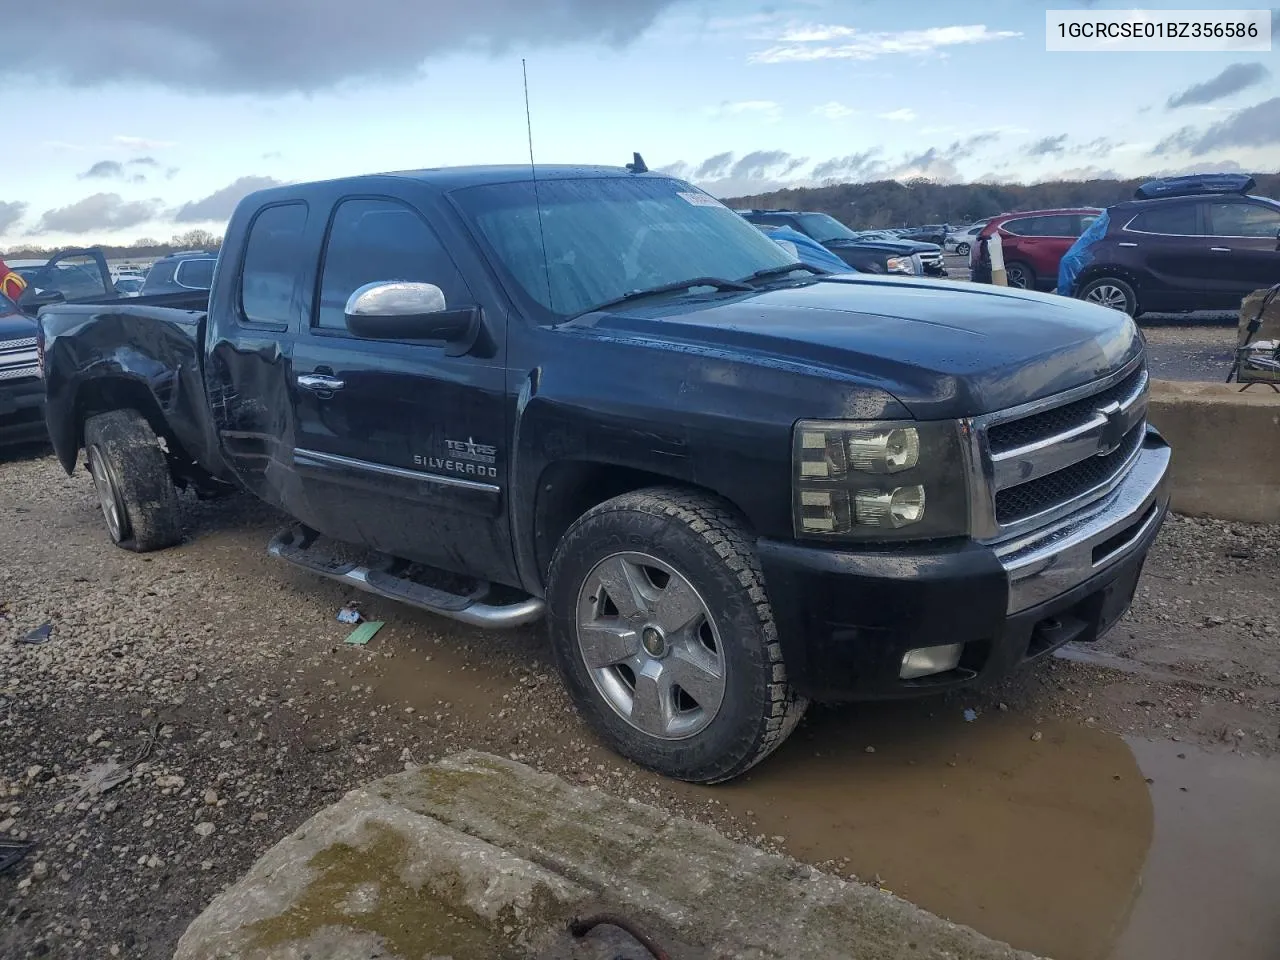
(780, 271)
(716, 283)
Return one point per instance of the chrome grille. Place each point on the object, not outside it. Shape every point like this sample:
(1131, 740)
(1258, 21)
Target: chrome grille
(18, 359)
(1047, 458)
(1028, 499)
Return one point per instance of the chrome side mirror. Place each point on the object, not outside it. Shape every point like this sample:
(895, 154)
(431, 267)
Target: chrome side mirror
(404, 310)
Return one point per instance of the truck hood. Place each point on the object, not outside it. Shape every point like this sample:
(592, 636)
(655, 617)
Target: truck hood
(15, 325)
(940, 348)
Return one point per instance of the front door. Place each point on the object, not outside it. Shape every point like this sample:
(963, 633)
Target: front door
(1245, 243)
(399, 445)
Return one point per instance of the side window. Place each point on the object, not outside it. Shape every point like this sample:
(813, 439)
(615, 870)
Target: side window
(375, 240)
(272, 263)
(1022, 227)
(196, 274)
(1173, 219)
(1243, 220)
(1055, 225)
(1084, 222)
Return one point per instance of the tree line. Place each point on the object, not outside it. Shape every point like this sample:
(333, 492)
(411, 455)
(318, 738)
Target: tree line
(145, 248)
(890, 203)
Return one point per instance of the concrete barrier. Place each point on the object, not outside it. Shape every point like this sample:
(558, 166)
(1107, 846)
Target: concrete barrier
(1226, 448)
(481, 858)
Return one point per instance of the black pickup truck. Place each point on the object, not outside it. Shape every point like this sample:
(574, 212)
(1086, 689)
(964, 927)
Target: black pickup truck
(731, 486)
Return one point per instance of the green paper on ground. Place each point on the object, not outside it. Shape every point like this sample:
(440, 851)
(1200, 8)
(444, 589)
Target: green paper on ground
(364, 633)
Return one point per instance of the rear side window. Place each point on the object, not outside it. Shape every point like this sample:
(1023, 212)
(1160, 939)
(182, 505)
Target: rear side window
(196, 274)
(1243, 220)
(1021, 227)
(372, 240)
(1174, 219)
(272, 263)
(1057, 225)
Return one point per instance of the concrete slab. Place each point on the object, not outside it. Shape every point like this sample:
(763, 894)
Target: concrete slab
(480, 857)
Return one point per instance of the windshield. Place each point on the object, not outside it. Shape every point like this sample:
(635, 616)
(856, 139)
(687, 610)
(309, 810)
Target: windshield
(608, 237)
(823, 228)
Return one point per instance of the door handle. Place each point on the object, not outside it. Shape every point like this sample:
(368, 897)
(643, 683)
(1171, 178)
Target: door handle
(319, 383)
(1126, 244)
(1220, 249)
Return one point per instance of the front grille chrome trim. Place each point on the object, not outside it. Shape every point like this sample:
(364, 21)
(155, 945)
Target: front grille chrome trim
(1103, 433)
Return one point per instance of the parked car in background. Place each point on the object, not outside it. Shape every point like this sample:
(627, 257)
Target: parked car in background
(129, 286)
(961, 241)
(1033, 243)
(21, 389)
(730, 485)
(929, 233)
(70, 276)
(865, 255)
(1189, 243)
(190, 270)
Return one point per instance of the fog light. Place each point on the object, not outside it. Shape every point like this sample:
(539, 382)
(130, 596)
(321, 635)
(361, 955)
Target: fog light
(925, 661)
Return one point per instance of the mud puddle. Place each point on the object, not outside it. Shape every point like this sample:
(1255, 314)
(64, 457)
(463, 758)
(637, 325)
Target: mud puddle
(1043, 841)
(1211, 886)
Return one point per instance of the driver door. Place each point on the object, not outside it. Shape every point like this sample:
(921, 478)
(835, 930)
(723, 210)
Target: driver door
(400, 445)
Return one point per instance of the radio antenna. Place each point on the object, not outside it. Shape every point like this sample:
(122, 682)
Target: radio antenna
(533, 172)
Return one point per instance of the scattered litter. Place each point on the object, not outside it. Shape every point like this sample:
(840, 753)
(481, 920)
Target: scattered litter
(970, 715)
(364, 633)
(350, 613)
(871, 749)
(98, 779)
(1036, 737)
(40, 634)
(11, 852)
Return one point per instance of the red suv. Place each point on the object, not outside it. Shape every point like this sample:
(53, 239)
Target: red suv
(1033, 244)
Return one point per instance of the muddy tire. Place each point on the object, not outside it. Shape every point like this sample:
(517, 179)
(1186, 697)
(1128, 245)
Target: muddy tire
(663, 633)
(132, 480)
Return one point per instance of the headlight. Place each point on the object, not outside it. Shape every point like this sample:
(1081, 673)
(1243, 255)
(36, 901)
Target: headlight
(900, 265)
(879, 481)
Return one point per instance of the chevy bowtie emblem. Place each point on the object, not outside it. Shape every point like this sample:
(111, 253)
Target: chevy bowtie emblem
(1114, 430)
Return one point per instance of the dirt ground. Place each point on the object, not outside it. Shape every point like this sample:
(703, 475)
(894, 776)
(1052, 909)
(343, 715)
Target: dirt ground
(212, 685)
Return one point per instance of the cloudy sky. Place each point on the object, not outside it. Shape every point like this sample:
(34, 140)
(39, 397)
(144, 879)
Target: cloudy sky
(148, 117)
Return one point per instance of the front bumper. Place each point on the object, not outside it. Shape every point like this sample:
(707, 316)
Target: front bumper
(846, 620)
(22, 410)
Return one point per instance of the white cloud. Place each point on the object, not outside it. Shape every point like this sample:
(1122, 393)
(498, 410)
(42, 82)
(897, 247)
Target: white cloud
(834, 110)
(904, 115)
(847, 43)
(761, 109)
(141, 143)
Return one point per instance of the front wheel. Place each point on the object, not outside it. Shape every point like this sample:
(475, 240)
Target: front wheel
(1110, 292)
(664, 635)
(962, 249)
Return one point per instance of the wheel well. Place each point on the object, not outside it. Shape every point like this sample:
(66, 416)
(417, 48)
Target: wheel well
(104, 395)
(1095, 272)
(568, 489)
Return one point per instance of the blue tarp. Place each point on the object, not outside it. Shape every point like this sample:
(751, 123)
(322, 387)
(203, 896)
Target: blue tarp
(1080, 255)
(810, 252)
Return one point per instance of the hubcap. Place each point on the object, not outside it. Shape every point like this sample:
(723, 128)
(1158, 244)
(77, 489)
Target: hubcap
(108, 498)
(1017, 278)
(1107, 295)
(651, 646)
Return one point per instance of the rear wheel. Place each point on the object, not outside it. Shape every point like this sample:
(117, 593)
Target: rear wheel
(1020, 276)
(131, 477)
(1110, 292)
(962, 249)
(665, 637)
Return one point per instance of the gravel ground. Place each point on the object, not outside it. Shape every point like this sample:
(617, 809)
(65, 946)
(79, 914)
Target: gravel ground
(192, 706)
